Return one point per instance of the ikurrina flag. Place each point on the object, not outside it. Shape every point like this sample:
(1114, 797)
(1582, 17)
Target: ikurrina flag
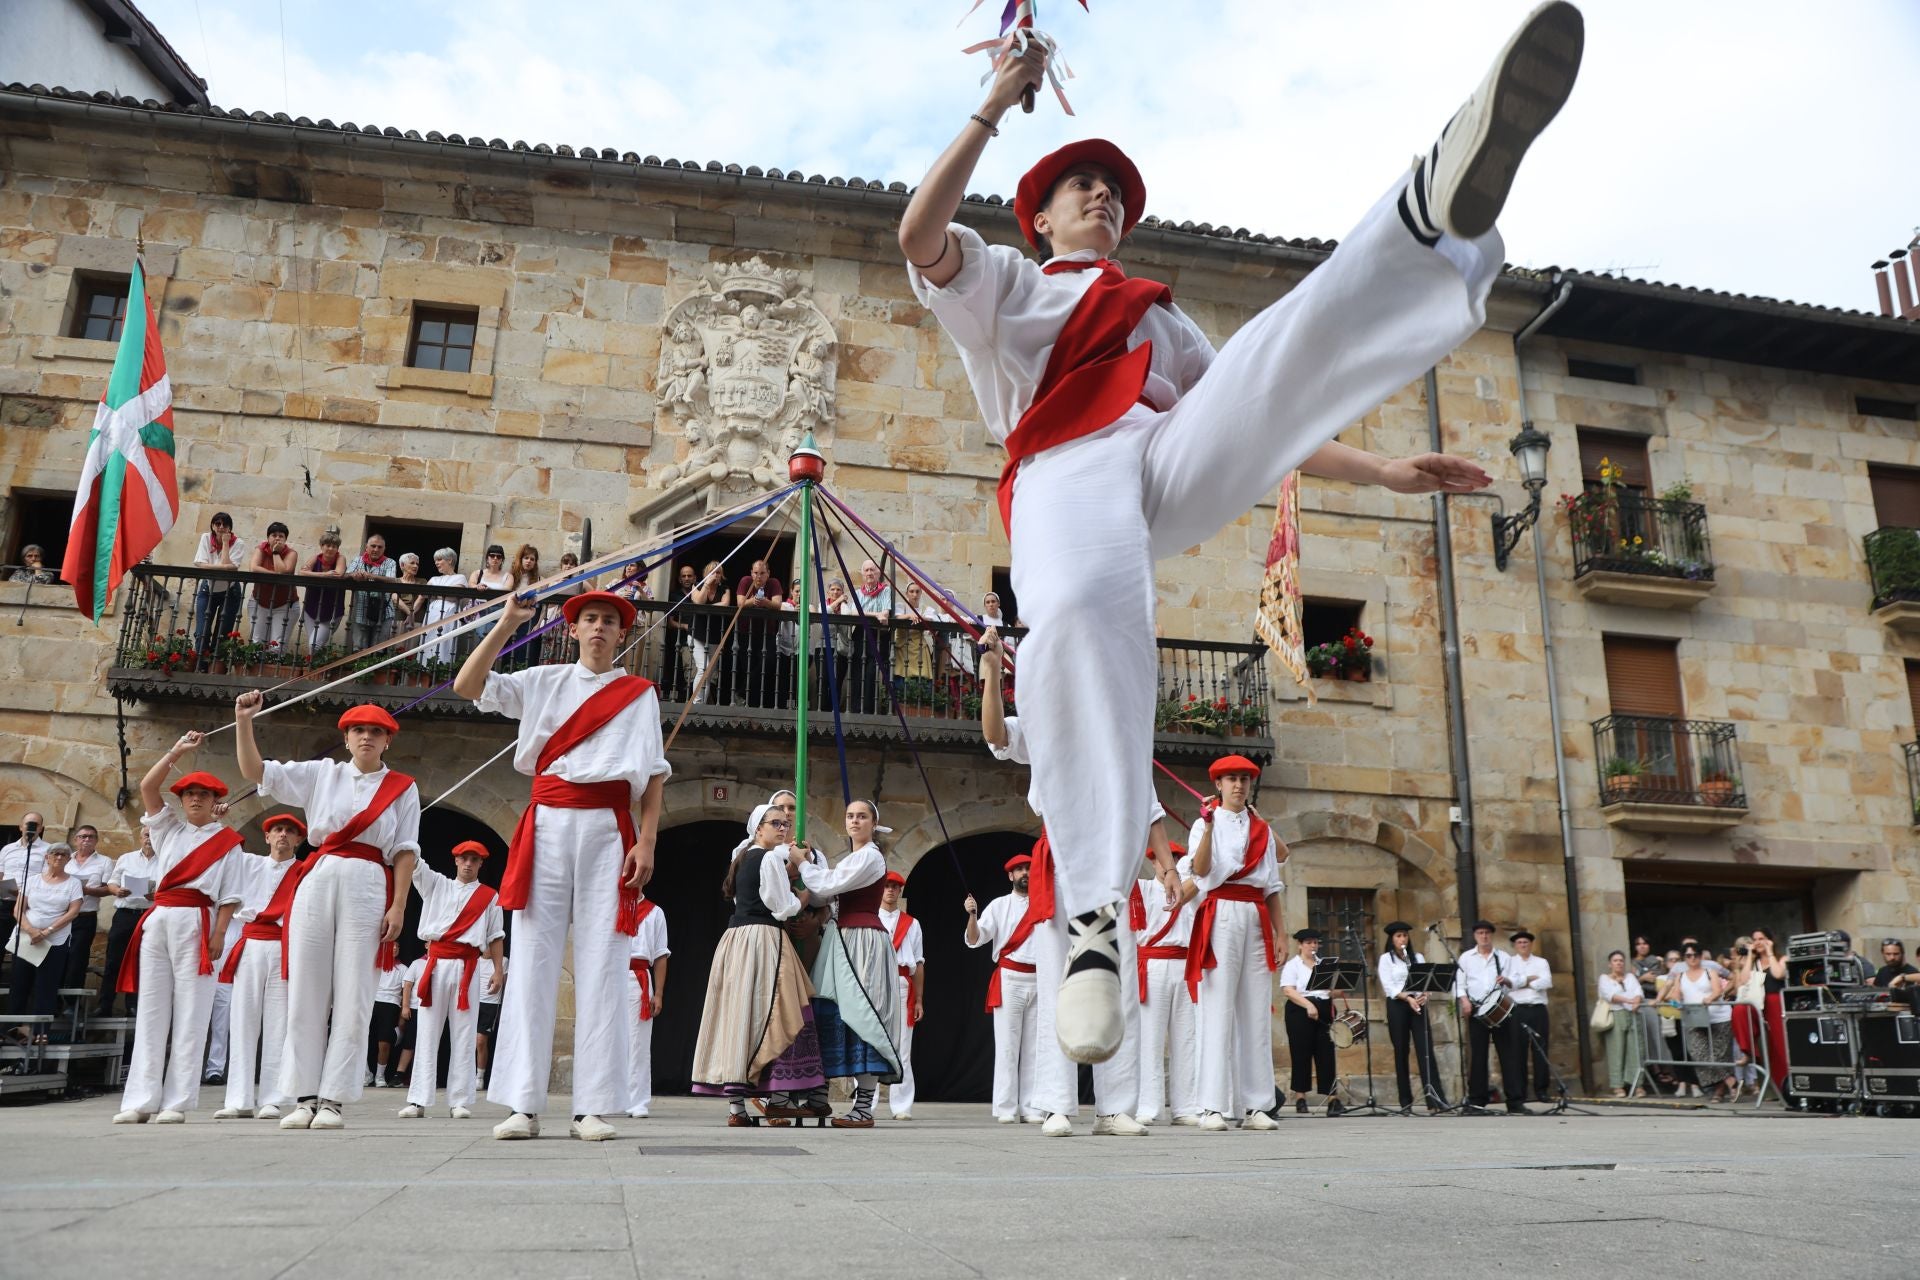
(127, 498)
(1278, 620)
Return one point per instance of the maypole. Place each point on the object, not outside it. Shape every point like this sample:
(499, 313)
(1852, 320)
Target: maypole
(805, 468)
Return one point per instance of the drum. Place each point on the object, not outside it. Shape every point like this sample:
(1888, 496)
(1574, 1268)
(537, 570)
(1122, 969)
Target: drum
(1347, 1030)
(1494, 1008)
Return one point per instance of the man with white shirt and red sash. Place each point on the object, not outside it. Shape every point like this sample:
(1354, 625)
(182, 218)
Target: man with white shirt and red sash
(169, 961)
(1234, 949)
(589, 737)
(1169, 1070)
(1008, 926)
(647, 958)
(1170, 442)
(340, 915)
(257, 1021)
(910, 950)
(459, 920)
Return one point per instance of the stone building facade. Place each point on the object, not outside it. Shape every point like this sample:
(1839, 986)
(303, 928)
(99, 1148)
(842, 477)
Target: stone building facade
(289, 262)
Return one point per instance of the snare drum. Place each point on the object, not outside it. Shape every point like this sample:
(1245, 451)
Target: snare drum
(1494, 1007)
(1347, 1030)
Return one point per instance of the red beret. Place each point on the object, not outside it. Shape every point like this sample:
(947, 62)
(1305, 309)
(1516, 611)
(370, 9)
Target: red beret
(205, 781)
(1031, 195)
(367, 713)
(894, 877)
(1232, 764)
(473, 847)
(1018, 861)
(573, 606)
(285, 820)
(1179, 850)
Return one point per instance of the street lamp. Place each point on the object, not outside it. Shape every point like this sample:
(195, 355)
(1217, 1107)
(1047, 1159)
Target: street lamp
(1530, 447)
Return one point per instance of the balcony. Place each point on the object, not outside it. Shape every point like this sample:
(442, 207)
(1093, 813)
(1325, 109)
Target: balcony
(175, 644)
(1913, 780)
(1658, 773)
(1893, 560)
(1648, 552)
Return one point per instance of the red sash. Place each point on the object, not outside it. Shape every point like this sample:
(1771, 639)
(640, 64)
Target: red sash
(255, 930)
(1091, 377)
(900, 927)
(556, 793)
(448, 947)
(344, 843)
(172, 892)
(1153, 949)
(643, 971)
(1039, 910)
(1200, 955)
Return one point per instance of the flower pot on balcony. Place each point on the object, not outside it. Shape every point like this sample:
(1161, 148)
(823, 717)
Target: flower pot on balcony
(217, 667)
(1621, 787)
(1717, 791)
(1358, 675)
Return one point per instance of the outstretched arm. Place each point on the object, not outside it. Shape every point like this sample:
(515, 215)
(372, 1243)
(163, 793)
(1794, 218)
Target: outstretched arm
(246, 748)
(1422, 473)
(993, 710)
(150, 785)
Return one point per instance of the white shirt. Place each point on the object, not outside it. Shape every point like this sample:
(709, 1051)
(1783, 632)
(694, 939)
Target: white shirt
(1393, 973)
(1154, 896)
(650, 940)
(1231, 832)
(442, 898)
(203, 556)
(46, 903)
(1296, 973)
(864, 866)
(387, 990)
(91, 876)
(410, 976)
(911, 949)
(627, 748)
(1615, 991)
(482, 979)
(1005, 314)
(174, 838)
(776, 891)
(1480, 974)
(1700, 991)
(334, 793)
(140, 865)
(997, 923)
(1530, 992)
(259, 879)
(16, 866)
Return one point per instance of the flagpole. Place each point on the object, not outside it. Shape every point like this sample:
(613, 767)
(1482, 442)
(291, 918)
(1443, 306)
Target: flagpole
(805, 467)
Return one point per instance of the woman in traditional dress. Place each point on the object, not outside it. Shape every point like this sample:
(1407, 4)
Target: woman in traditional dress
(855, 973)
(756, 1031)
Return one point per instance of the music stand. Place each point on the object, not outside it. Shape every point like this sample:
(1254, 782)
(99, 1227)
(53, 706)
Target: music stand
(1434, 981)
(1338, 976)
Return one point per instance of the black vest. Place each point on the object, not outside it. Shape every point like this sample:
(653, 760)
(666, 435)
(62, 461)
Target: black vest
(747, 907)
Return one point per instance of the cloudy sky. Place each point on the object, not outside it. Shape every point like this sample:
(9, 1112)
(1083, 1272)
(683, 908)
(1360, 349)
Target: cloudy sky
(1754, 146)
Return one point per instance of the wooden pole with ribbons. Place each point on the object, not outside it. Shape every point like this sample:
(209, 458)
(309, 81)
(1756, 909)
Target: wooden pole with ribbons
(805, 468)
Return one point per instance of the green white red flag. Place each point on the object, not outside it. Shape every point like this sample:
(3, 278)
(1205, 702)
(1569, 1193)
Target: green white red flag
(127, 498)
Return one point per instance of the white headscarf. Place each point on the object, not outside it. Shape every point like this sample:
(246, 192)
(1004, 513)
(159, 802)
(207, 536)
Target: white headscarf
(877, 828)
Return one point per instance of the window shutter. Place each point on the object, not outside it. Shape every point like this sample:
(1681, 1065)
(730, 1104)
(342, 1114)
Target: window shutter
(1643, 677)
(1913, 693)
(1628, 453)
(1896, 496)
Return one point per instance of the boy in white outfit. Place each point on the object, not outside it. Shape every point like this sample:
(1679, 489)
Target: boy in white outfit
(648, 994)
(257, 1019)
(460, 920)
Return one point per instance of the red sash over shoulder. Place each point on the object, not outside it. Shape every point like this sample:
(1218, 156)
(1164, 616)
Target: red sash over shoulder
(449, 947)
(344, 843)
(1154, 948)
(172, 892)
(643, 969)
(1091, 377)
(900, 929)
(1200, 955)
(1039, 910)
(587, 719)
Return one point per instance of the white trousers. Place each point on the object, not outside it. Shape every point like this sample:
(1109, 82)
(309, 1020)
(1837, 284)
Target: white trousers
(900, 1096)
(333, 933)
(1091, 517)
(217, 1024)
(1169, 1063)
(257, 1029)
(1016, 1041)
(639, 1052)
(429, 1021)
(1236, 1017)
(170, 1030)
(576, 879)
(1116, 1082)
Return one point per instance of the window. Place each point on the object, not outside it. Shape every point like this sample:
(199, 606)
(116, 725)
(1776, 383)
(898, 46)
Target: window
(1627, 453)
(36, 518)
(423, 538)
(1643, 676)
(1327, 621)
(443, 338)
(1338, 913)
(1896, 496)
(1874, 407)
(1600, 371)
(99, 305)
(1913, 694)
(1003, 587)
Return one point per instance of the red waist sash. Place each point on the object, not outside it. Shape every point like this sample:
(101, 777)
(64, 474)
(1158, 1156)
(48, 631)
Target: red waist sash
(469, 958)
(558, 793)
(130, 973)
(254, 931)
(1200, 955)
(643, 971)
(1146, 953)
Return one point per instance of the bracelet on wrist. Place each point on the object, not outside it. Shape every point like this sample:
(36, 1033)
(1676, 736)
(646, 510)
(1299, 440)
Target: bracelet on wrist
(984, 123)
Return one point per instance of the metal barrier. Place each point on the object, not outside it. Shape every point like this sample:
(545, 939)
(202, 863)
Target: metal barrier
(1698, 1017)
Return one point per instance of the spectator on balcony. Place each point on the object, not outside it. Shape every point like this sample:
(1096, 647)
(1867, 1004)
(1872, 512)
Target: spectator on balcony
(676, 651)
(493, 574)
(43, 915)
(324, 605)
(446, 562)
(1621, 990)
(872, 657)
(372, 610)
(760, 595)
(819, 634)
(913, 647)
(273, 602)
(555, 646)
(216, 604)
(526, 573)
(33, 568)
(1710, 1045)
(709, 630)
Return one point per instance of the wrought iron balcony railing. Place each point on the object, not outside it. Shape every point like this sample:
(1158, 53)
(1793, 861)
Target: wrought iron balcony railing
(1624, 533)
(1664, 760)
(1893, 560)
(206, 634)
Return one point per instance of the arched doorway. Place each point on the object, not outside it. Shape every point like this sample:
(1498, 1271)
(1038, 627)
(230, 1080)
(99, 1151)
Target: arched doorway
(689, 863)
(953, 1047)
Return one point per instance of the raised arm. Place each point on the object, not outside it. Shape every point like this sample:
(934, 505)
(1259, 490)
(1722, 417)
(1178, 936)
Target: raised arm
(155, 780)
(924, 237)
(472, 680)
(993, 707)
(246, 749)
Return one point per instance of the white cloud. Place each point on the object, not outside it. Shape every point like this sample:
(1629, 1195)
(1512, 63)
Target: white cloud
(1761, 147)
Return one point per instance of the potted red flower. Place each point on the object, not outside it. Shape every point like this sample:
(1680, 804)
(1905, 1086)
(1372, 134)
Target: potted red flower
(1356, 655)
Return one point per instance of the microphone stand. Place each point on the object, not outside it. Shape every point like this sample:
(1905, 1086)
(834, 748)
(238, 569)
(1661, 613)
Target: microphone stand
(1459, 1028)
(1371, 1106)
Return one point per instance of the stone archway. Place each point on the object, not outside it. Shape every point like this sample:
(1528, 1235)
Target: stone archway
(65, 803)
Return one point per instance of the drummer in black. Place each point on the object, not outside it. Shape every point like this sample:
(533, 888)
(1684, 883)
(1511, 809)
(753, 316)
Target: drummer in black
(1482, 979)
(1407, 1018)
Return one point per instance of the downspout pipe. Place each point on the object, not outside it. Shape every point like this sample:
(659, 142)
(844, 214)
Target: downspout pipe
(1466, 873)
